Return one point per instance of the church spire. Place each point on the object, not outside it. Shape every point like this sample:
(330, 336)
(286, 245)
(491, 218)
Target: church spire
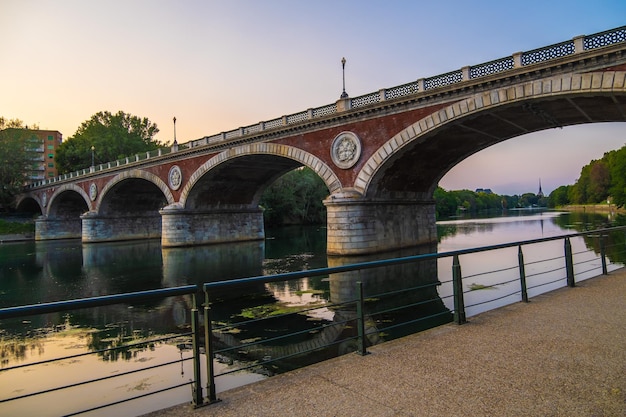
(540, 193)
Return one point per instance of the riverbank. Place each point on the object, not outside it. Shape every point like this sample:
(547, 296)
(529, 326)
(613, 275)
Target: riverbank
(594, 208)
(16, 229)
(20, 237)
(562, 354)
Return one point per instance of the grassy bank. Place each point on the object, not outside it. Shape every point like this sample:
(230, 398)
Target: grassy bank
(594, 208)
(14, 228)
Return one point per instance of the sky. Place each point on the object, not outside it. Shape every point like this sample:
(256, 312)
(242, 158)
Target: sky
(220, 65)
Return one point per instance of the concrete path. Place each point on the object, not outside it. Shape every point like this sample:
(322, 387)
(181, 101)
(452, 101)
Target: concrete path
(562, 354)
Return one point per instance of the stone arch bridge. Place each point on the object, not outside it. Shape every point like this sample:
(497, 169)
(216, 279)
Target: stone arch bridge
(381, 155)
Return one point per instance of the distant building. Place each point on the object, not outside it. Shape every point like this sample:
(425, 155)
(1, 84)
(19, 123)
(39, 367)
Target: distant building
(540, 193)
(484, 190)
(43, 145)
(44, 163)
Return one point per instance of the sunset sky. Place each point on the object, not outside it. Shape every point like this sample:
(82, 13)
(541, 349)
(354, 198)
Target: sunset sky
(219, 65)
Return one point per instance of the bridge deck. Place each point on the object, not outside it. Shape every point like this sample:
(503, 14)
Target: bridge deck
(560, 355)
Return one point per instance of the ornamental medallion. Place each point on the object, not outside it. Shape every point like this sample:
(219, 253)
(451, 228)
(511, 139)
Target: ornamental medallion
(93, 191)
(175, 177)
(345, 150)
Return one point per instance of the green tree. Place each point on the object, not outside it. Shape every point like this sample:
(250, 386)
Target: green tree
(16, 146)
(528, 200)
(559, 196)
(446, 203)
(617, 168)
(295, 198)
(112, 136)
(599, 182)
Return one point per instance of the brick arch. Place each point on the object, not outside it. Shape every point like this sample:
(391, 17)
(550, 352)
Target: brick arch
(31, 196)
(557, 87)
(134, 174)
(63, 188)
(279, 150)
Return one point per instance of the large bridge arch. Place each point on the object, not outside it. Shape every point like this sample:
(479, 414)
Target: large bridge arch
(249, 169)
(391, 205)
(127, 208)
(463, 128)
(61, 217)
(139, 178)
(219, 203)
(69, 200)
(29, 203)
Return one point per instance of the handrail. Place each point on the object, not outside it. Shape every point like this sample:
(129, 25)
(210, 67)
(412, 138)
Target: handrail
(386, 262)
(58, 306)
(518, 60)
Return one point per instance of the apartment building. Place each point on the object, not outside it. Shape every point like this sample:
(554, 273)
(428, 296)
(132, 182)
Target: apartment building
(44, 164)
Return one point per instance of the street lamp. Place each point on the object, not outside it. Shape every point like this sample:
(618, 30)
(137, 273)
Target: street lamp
(93, 148)
(343, 70)
(174, 129)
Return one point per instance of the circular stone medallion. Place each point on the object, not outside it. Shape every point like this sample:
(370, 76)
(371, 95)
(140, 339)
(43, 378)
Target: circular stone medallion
(93, 191)
(175, 177)
(345, 150)
(44, 199)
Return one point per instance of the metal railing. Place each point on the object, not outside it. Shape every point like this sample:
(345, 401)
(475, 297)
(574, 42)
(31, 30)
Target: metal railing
(497, 66)
(364, 316)
(86, 303)
(515, 273)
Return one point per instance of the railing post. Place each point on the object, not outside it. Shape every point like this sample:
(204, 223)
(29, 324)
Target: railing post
(522, 274)
(603, 255)
(360, 319)
(208, 349)
(195, 338)
(569, 263)
(457, 288)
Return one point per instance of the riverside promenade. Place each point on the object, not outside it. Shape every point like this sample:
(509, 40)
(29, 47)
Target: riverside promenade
(562, 354)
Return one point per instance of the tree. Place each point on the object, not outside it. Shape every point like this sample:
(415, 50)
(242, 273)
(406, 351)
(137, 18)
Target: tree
(112, 136)
(617, 168)
(16, 146)
(558, 197)
(295, 198)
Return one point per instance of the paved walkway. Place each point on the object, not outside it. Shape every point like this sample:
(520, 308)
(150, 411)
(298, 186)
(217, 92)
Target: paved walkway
(562, 354)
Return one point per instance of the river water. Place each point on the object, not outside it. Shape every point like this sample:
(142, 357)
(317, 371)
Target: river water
(36, 272)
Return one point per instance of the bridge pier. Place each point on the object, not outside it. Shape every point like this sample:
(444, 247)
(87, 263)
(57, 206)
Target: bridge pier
(182, 227)
(99, 228)
(359, 226)
(57, 228)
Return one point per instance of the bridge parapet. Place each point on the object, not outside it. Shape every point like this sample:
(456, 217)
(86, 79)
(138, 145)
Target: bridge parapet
(499, 66)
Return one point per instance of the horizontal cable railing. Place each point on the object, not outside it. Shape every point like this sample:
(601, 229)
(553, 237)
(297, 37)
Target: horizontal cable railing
(363, 317)
(497, 66)
(90, 380)
(376, 320)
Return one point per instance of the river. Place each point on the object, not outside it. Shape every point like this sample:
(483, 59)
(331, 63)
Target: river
(36, 272)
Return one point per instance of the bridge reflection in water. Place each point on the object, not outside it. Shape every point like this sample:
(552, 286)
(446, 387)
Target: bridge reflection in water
(398, 300)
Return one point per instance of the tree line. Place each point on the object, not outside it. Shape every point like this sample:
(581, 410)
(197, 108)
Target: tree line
(600, 181)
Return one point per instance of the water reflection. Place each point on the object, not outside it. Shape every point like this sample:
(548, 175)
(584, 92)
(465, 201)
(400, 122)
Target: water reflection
(387, 305)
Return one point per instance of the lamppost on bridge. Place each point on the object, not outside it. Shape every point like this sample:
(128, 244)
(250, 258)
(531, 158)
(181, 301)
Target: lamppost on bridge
(175, 144)
(343, 70)
(93, 148)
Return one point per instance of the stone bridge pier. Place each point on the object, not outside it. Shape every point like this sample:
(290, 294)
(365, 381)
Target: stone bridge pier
(358, 226)
(184, 227)
(103, 228)
(57, 228)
